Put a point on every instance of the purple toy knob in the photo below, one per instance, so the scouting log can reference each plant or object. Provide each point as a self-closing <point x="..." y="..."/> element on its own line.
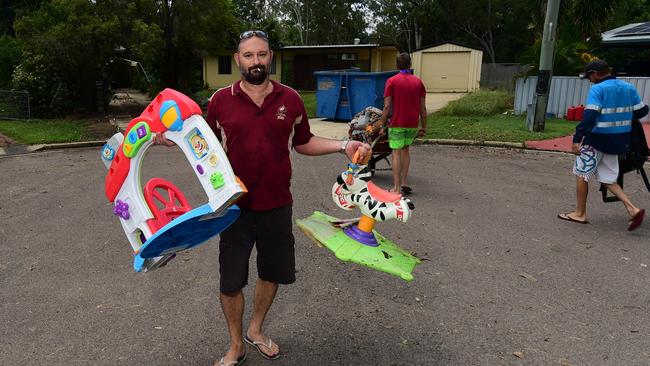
<point x="121" y="209"/>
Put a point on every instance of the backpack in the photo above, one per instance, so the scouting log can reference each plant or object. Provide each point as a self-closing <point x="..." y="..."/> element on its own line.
<point x="633" y="159"/>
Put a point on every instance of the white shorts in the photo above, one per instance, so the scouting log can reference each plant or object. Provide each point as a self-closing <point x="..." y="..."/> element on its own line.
<point x="592" y="163"/>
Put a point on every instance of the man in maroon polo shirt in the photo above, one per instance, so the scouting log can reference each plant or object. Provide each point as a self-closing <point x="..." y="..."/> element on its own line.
<point x="258" y="122"/>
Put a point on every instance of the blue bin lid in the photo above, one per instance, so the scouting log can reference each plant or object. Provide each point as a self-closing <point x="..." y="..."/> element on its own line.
<point x="354" y="72"/>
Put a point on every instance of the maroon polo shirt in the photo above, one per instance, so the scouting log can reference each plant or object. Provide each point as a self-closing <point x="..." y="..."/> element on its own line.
<point x="258" y="140"/>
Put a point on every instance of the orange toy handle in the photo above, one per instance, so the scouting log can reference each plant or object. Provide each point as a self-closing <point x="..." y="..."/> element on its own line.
<point x="357" y="160"/>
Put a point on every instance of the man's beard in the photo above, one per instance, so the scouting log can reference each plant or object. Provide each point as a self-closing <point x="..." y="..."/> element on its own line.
<point x="255" y="74"/>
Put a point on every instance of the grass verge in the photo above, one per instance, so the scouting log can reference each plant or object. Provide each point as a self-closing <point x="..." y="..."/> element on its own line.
<point x="38" y="131"/>
<point x="480" y="103"/>
<point x="493" y="128"/>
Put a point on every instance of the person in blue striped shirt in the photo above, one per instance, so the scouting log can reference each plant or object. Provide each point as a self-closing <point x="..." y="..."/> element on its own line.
<point x="602" y="135"/>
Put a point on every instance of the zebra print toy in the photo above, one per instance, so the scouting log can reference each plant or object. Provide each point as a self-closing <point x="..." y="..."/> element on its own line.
<point x="353" y="188"/>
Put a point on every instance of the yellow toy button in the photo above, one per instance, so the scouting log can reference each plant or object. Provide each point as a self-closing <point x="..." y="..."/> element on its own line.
<point x="213" y="159"/>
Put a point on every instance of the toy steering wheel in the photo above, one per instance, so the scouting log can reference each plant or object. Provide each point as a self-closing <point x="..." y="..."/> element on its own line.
<point x="174" y="204"/>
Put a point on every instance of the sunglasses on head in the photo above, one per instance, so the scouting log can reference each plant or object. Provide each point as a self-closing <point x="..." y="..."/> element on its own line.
<point x="251" y="33"/>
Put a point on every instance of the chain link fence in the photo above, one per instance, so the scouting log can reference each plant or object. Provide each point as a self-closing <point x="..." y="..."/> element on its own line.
<point x="14" y="104"/>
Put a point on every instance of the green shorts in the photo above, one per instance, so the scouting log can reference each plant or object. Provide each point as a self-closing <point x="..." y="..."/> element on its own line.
<point x="401" y="137"/>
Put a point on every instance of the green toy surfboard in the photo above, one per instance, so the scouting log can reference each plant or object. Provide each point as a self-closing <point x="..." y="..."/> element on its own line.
<point x="387" y="257"/>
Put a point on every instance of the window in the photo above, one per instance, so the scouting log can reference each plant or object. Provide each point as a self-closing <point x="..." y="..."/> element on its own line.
<point x="225" y="65"/>
<point x="342" y="56"/>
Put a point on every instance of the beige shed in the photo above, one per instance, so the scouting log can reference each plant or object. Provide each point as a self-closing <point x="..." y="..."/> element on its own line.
<point x="448" y="68"/>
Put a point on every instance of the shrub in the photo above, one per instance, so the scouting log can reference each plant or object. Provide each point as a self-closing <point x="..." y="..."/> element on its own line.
<point x="480" y="103"/>
<point x="48" y="93"/>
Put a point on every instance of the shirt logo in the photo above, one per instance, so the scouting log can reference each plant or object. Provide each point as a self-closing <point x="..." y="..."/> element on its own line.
<point x="281" y="113"/>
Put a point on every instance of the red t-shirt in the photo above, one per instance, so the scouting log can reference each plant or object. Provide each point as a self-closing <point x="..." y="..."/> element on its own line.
<point x="258" y="140"/>
<point x="405" y="91"/>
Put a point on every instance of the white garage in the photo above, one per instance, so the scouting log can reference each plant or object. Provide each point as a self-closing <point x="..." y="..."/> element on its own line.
<point x="448" y="68"/>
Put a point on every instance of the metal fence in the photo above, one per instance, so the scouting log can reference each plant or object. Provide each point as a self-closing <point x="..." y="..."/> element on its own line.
<point x="14" y="104"/>
<point x="568" y="91"/>
<point x="500" y="75"/>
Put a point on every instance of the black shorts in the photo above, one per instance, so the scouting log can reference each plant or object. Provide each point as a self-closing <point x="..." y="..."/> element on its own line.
<point x="271" y="233"/>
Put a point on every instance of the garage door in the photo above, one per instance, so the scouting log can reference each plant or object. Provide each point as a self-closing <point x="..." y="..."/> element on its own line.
<point x="445" y="71"/>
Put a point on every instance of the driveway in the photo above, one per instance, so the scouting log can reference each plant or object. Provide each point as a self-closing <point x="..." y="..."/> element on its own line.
<point x="503" y="281"/>
<point x="437" y="101"/>
<point x="339" y="130"/>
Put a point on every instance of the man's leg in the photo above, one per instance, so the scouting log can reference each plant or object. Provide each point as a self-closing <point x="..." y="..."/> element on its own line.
<point x="397" y="170"/>
<point x="232" y="305"/>
<point x="396" y="143"/>
<point x="582" y="190"/>
<point x="264" y="295"/>
<point x="618" y="192"/>
<point x="235" y="246"/>
<point x="276" y="264"/>
<point x="406" y="162"/>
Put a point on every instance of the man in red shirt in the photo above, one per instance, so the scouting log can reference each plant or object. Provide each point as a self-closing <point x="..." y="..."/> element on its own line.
<point x="405" y="93"/>
<point x="258" y="122"/>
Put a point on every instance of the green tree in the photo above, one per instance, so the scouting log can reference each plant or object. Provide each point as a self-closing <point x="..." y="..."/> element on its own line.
<point x="75" y="38"/>
<point x="311" y="22"/>
<point x="409" y="24"/>
<point x="191" y="29"/>
<point x="83" y="38"/>
<point x="10" y="51"/>
<point x="580" y="24"/>
<point x="10" y="47"/>
<point x="12" y="9"/>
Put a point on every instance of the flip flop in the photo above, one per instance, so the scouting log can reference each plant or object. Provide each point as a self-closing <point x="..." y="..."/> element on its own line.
<point x="257" y="345"/>
<point x="406" y="189"/>
<point x="566" y="217"/>
<point x="636" y="220"/>
<point x="237" y="362"/>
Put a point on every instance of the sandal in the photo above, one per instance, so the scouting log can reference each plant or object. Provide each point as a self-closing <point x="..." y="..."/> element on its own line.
<point x="258" y="344"/>
<point x="636" y="220"/>
<point x="407" y="189"/>
<point x="566" y="217"/>
<point x="237" y="362"/>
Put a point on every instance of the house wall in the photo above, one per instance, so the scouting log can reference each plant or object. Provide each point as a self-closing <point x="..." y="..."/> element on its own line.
<point x="311" y="59"/>
<point x="214" y="80"/>
<point x="387" y="60"/>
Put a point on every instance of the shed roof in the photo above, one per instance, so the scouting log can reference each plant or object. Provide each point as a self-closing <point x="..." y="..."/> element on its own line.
<point x="367" y="45"/>
<point x="440" y="44"/>
<point x="628" y="35"/>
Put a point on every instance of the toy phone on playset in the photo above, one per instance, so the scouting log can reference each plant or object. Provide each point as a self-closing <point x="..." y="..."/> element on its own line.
<point x="156" y="218"/>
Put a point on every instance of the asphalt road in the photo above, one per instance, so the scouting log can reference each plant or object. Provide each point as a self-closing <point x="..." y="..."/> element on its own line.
<point x="501" y="274"/>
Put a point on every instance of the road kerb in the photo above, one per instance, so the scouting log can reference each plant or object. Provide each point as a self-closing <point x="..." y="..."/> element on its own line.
<point x="512" y="145"/>
<point x="65" y="145"/>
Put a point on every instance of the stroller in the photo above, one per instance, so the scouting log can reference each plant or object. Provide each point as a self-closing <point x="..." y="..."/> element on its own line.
<point x="363" y="127"/>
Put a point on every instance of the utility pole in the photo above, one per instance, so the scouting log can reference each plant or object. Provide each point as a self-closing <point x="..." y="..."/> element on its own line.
<point x="540" y="102"/>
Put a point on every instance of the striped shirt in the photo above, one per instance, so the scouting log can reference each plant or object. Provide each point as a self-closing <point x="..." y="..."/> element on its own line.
<point x="607" y="120"/>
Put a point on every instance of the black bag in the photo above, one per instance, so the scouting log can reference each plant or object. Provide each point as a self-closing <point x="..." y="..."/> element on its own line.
<point x="634" y="159"/>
